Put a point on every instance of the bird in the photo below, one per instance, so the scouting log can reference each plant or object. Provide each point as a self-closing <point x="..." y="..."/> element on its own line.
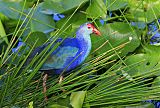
<point x="70" y="53"/>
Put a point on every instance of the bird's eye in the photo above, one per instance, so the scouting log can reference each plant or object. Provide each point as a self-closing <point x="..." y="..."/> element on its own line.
<point x="90" y="26"/>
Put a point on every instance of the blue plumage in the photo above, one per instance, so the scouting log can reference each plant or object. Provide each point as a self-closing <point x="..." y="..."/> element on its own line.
<point x="71" y="52"/>
<point x="63" y="57"/>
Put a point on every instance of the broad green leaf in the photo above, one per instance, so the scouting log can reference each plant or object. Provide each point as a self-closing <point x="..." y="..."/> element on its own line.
<point x="3" y="47"/>
<point x="3" y="33"/>
<point x="116" y="34"/>
<point x="41" y="22"/>
<point x="140" y="64"/>
<point x="146" y="11"/>
<point x="30" y="104"/>
<point x="144" y="63"/>
<point x="113" y="5"/>
<point x="36" y="37"/>
<point x="7" y="8"/>
<point x="144" y="105"/>
<point x="54" y="5"/>
<point x="3" y="17"/>
<point x="56" y="106"/>
<point x="96" y="9"/>
<point x="156" y="82"/>
<point x="17" y="59"/>
<point x="61" y="6"/>
<point x="10" y="26"/>
<point x="71" y="23"/>
<point x="28" y="3"/>
<point x="139" y="25"/>
<point x="62" y="102"/>
<point x="154" y="54"/>
<point x="77" y="99"/>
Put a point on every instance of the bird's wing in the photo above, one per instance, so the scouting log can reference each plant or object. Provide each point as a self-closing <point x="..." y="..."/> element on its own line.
<point x="39" y="49"/>
<point x="63" y="55"/>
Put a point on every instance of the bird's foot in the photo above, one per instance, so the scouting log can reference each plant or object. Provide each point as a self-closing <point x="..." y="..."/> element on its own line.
<point x="60" y="81"/>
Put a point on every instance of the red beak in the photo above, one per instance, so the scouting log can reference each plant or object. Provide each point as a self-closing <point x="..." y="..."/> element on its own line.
<point x="96" y="31"/>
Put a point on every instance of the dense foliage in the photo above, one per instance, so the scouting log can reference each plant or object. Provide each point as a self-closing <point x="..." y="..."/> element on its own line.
<point x="121" y="71"/>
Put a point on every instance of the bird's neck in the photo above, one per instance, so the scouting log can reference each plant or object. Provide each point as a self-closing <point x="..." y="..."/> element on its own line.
<point x="85" y="41"/>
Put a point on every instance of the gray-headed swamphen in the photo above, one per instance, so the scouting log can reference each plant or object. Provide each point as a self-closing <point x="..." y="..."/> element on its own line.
<point x="69" y="54"/>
